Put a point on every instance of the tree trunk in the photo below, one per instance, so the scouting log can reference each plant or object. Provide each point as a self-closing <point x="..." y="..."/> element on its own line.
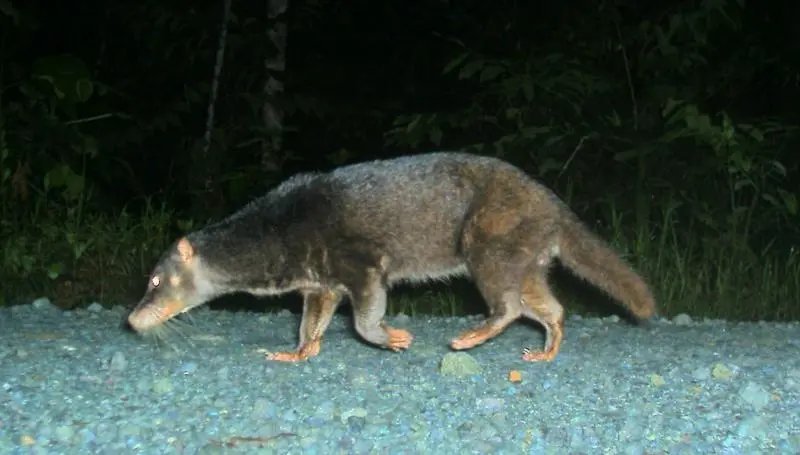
<point x="275" y="65"/>
<point x="208" y="164"/>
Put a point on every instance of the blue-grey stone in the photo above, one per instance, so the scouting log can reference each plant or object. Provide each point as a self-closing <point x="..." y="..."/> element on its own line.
<point x="459" y="364"/>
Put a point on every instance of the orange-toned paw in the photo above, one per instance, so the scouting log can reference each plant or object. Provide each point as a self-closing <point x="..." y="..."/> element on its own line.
<point x="539" y="356"/>
<point x="285" y="356"/>
<point x="474" y="337"/>
<point x="306" y="351"/>
<point x="399" y="339"/>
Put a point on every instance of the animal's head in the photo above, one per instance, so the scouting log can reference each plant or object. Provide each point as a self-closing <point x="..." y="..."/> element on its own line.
<point x="177" y="284"/>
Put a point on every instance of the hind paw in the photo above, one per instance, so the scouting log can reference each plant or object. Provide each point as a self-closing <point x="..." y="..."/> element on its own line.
<point x="285" y="356"/>
<point x="474" y="337"/>
<point x="529" y="355"/>
<point x="399" y="339"/>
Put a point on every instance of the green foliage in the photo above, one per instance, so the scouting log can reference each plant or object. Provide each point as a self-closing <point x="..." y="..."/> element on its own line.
<point x="43" y="160"/>
<point x="104" y="258"/>
<point x="671" y="127"/>
<point x="708" y="193"/>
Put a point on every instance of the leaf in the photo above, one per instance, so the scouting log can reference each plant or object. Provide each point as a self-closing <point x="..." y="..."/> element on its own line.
<point x="452" y="64"/>
<point x="743" y="183"/>
<point x="553" y="139"/>
<point x="527" y="89"/>
<point x="778" y="167"/>
<point x="491" y="72"/>
<point x="80" y="248"/>
<point x="755" y="133"/>
<point x="671" y="107"/>
<point x="55" y="270"/>
<point x="185" y="225"/>
<point x="532" y="132"/>
<point x="675" y="133"/>
<point x="67" y="75"/>
<point x="789" y="201"/>
<point x="435" y="135"/>
<point x="63" y="177"/>
<point x="626" y="155"/>
<point x="614" y="119"/>
<point x="83" y="89"/>
<point x="701" y="123"/>
<point x="512" y="113"/>
<point x="412" y="125"/>
<point x="88" y="147"/>
<point x="548" y="165"/>
<point x="471" y="68"/>
<point x="7" y="9"/>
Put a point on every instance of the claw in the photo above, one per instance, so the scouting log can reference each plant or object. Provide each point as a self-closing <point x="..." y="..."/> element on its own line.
<point x="399" y="339"/>
<point x="529" y="355"/>
<point x="474" y="337"/>
<point x="285" y="357"/>
<point x="305" y="352"/>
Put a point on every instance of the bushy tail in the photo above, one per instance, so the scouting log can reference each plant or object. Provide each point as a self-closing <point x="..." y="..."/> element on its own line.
<point x="592" y="259"/>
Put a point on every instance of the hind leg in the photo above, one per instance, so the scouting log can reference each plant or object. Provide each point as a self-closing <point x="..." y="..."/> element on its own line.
<point x="539" y="304"/>
<point x="497" y="282"/>
<point x="318" y="309"/>
<point x="369" y="307"/>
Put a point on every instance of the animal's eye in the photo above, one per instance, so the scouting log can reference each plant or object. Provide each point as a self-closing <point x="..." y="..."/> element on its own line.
<point x="155" y="281"/>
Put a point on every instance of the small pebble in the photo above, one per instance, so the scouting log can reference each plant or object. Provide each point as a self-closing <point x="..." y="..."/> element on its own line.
<point x="118" y="362"/>
<point x="721" y="371"/>
<point x="682" y="319"/>
<point x="490" y="404"/>
<point x="657" y="380"/>
<point x="753" y="427"/>
<point x="793" y="379"/>
<point x="27" y="440"/>
<point x="223" y="374"/>
<point x="325" y="411"/>
<point x="755" y="395"/>
<point x="701" y="374"/>
<point x="188" y="368"/>
<point x="355" y="412"/>
<point x="459" y="364"/>
<point x="162" y="386"/>
<point x="356" y="423"/>
<point x="94" y="307"/>
<point x="64" y="433"/>
<point x="43" y="303"/>
<point x="401" y="319"/>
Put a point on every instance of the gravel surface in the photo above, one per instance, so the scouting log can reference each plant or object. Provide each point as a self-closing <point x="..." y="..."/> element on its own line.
<point x="74" y="382"/>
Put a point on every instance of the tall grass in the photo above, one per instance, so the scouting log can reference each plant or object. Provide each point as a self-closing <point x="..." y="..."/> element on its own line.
<point x="73" y="262"/>
<point x="107" y="259"/>
<point x="717" y="278"/>
<point x="711" y="277"/>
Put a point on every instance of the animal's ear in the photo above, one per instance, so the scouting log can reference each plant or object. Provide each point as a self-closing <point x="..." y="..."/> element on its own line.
<point x="185" y="249"/>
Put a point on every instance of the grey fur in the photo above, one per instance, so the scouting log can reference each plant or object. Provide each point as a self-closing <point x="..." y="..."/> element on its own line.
<point x="360" y="229"/>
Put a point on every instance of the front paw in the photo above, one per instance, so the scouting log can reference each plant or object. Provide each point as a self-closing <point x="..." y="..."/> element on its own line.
<point x="305" y="352"/>
<point x="399" y="339"/>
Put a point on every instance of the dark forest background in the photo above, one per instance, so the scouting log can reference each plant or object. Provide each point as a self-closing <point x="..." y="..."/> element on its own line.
<point x="670" y="127"/>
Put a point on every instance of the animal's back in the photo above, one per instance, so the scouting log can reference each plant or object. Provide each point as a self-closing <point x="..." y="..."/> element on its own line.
<point x="407" y="212"/>
<point x="414" y="208"/>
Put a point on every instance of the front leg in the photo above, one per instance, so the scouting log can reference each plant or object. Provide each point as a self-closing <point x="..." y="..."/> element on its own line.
<point x="318" y="309"/>
<point x="369" y="308"/>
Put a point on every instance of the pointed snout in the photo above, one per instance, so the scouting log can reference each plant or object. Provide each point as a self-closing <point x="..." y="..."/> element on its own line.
<point x="148" y="315"/>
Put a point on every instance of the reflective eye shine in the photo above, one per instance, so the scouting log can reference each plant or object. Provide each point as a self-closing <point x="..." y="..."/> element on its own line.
<point x="155" y="281"/>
